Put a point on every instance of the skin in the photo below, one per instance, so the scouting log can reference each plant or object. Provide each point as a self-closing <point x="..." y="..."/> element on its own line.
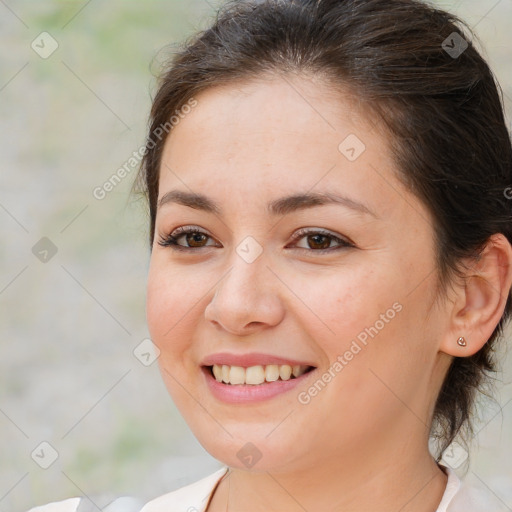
<point x="362" y="442"/>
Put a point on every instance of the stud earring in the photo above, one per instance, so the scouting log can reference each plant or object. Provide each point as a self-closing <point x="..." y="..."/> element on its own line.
<point x="461" y="341"/>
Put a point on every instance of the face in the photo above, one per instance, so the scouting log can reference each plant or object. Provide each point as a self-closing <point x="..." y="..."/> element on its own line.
<point x="345" y="287"/>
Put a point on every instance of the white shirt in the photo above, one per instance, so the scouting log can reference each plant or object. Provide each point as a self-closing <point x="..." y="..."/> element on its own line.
<point x="194" y="497"/>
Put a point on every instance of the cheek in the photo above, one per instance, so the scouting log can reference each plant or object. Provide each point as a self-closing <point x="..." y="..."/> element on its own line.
<point x="169" y="303"/>
<point x="159" y="306"/>
<point x="170" y="323"/>
<point x="383" y="353"/>
<point x="344" y="303"/>
<point x="362" y="319"/>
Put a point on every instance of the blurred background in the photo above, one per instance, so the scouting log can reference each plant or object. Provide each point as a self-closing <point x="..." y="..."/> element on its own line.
<point x="82" y="412"/>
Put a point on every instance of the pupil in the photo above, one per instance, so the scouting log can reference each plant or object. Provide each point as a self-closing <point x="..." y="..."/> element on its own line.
<point x="321" y="236"/>
<point x="193" y="237"/>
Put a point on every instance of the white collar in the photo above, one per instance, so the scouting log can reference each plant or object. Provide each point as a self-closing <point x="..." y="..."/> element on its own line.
<point x="452" y="488"/>
<point x="193" y="497"/>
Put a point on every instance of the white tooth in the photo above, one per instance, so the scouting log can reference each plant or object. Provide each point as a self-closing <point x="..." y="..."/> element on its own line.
<point x="237" y="375"/>
<point x="298" y="370"/>
<point x="271" y="372"/>
<point x="255" y="375"/>
<point x="225" y="373"/>
<point x="217" y="372"/>
<point x="285" y="371"/>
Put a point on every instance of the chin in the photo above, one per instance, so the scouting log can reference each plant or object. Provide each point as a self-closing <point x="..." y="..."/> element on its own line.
<point x="247" y="449"/>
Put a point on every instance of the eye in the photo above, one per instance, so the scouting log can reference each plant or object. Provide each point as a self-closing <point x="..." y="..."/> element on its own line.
<point x="319" y="240"/>
<point x="193" y="235"/>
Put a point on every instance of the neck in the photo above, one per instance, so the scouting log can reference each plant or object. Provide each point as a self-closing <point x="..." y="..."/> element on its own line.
<point x="409" y="481"/>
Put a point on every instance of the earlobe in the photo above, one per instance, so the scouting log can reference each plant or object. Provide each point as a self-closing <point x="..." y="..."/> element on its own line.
<point x="481" y="300"/>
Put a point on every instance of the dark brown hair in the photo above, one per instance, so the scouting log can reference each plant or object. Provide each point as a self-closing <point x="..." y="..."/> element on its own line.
<point x="408" y="62"/>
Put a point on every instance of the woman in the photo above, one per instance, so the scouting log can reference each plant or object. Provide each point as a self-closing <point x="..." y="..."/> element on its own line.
<point x="331" y="253"/>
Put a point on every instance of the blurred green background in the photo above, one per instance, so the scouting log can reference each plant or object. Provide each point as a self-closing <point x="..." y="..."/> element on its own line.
<point x="69" y="325"/>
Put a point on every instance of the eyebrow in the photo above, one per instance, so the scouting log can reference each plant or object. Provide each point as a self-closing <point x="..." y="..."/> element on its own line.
<point x="281" y="206"/>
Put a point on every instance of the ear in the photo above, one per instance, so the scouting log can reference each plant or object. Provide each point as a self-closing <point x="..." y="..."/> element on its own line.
<point x="480" y="301"/>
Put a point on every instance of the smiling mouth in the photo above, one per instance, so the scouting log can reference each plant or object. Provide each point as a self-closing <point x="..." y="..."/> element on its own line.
<point x="256" y="375"/>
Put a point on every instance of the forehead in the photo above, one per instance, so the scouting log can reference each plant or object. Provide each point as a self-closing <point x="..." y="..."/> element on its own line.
<point x="271" y="137"/>
<point x="284" y="117"/>
<point x="274" y="109"/>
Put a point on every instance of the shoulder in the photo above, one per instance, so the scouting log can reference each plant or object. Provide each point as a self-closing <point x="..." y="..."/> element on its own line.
<point x="69" y="505"/>
<point x="79" y="504"/>
<point x="191" y="498"/>
<point x="461" y="496"/>
<point x="471" y="498"/>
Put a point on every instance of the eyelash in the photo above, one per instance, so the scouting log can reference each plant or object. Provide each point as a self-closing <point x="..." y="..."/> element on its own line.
<point x="171" y="240"/>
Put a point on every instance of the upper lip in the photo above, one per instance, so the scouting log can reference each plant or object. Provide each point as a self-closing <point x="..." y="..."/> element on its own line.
<point x="250" y="359"/>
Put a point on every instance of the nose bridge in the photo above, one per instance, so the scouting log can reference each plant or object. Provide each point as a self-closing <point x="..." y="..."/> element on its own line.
<point x="246" y="294"/>
<point x="248" y="273"/>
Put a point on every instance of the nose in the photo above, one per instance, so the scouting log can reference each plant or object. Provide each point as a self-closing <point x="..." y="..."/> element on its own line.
<point x="247" y="298"/>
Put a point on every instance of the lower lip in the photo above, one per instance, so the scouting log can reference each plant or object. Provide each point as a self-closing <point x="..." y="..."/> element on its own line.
<point x="248" y="393"/>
